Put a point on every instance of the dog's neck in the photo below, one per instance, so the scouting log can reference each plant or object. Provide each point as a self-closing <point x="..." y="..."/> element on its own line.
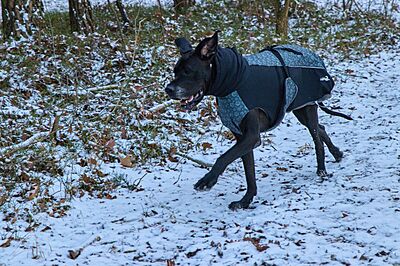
<point x="228" y="72"/>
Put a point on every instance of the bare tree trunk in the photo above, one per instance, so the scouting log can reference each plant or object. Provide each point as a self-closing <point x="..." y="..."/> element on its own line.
<point x="181" y="6"/>
<point x="81" y="16"/>
<point x="21" y="17"/>
<point x="122" y="11"/>
<point x="282" y="17"/>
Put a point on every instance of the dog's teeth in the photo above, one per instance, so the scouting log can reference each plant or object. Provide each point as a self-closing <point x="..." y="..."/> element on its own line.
<point x="191" y="98"/>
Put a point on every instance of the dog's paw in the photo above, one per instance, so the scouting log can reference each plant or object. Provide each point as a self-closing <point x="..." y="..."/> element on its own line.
<point x="206" y="183"/>
<point x="338" y="156"/>
<point x="241" y="204"/>
<point x="323" y="174"/>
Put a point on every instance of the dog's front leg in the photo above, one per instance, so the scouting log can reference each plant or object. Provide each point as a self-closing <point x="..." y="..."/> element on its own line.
<point x="250" y="126"/>
<point x="249" y="169"/>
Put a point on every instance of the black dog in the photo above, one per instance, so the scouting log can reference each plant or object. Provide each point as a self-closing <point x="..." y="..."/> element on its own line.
<point x="253" y="94"/>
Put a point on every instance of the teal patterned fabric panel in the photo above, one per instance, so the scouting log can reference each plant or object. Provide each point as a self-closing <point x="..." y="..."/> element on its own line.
<point x="291" y="90"/>
<point x="306" y="59"/>
<point x="231" y="110"/>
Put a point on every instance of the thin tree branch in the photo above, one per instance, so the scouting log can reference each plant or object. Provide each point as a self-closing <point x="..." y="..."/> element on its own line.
<point x="38" y="137"/>
<point x="199" y="162"/>
<point x="32" y="140"/>
<point x="161" y="106"/>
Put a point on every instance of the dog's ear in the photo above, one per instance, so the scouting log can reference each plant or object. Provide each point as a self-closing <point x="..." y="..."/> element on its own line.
<point x="183" y="45"/>
<point x="207" y="48"/>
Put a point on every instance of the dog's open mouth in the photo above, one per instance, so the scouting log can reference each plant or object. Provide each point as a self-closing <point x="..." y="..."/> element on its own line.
<point x="189" y="103"/>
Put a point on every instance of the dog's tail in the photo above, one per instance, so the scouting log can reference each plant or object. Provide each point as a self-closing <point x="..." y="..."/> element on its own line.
<point x="329" y="111"/>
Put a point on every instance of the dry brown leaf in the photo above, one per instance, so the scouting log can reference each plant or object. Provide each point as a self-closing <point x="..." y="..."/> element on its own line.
<point x="6" y="243"/>
<point x="73" y="254"/>
<point x="24" y="137"/>
<point x="45" y="228"/>
<point x="110" y="144"/>
<point x="33" y="193"/>
<point x="87" y="179"/>
<point x="283" y="169"/>
<point x="126" y="161"/>
<point x="173" y="159"/>
<point x="3" y="198"/>
<point x="170" y="263"/>
<point x="256" y="243"/>
<point x="92" y="161"/>
<point x="99" y="173"/>
<point x="124" y="134"/>
<point x="192" y="253"/>
<point x="24" y="176"/>
<point x="206" y="146"/>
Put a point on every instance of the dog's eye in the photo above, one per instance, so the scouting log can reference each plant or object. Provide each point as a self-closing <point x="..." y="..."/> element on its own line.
<point x="186" y="71"/>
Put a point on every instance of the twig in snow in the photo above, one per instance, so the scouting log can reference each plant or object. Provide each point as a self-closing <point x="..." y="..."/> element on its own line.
<point x="32" y="140"/>
<point x="137" y="182"/>
<point x="102" y="88"/>
<point x="54" y="128"/>
<point x="199" y="162"/>
<point x="179" y="177"/>
<point x="161" y="106"/>
<point x="38" y="137"/>
<point x="73" y="254"/>
<point x="90" y="90"/>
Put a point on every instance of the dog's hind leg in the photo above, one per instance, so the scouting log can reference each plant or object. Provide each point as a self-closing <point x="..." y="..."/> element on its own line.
<point x="308" y="116"/>
<point x="332" y="148"/>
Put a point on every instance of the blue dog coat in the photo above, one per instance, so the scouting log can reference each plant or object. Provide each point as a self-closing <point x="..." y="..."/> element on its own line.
<point x="242" y="83"/>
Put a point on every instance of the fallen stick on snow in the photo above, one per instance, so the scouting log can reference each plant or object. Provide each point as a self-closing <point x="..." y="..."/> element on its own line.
<point x="199" y="162"/>
<point x="74" y="253"/>
<point x="82" y="92"/>
<point x="161" y="106"/>
<point x="103" y="88"/>
<point x="16" y="147"/>
<point x="38" y="137"/>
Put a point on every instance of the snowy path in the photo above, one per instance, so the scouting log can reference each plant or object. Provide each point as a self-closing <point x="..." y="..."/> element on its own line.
<point x="353" y="218"/>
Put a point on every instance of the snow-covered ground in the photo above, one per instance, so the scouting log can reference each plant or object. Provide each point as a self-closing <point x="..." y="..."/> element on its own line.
<point x="353" y="218"/>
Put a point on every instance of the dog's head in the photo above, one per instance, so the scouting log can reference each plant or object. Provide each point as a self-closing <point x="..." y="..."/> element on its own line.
<point x="192" y="71"/>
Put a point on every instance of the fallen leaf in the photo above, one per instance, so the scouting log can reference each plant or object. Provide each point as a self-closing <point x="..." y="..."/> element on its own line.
<point x="6" y="243"/>
<point x="126" y="161"/>
<point x="170" y="263"/>
<point x="382" y="253"/>
<point x="192" y="253"/>
<point x="256" y="243"/>
<point x="92" y="161"/>
<point x="206" y="146"/>
<point x="124" y="134"/>
<point x="173" y="159"/>
<point x="33" y="193"/>
<point x="45" y="228"/>
<point x="24" y="176"/>
<point x="110" y="144"/>
<point x="73" y="254"/>
<point x="87" y="179"/>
